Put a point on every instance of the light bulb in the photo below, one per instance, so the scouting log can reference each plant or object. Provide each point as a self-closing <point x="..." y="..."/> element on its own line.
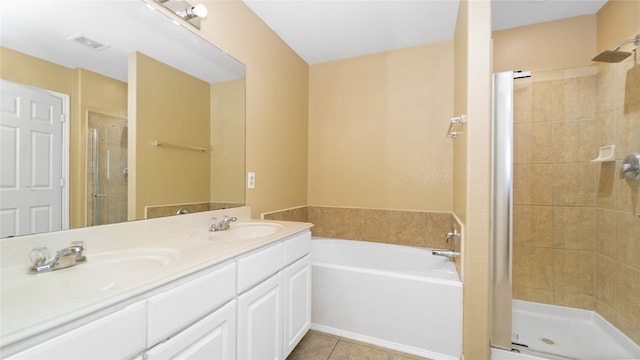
<point x="198" y="11"/>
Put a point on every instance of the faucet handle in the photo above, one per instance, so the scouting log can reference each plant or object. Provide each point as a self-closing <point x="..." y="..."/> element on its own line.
<point x="452" y="235"/>
<point x="213" y="224"/>
<point x="39" y="256"/>
<point x="78" y="248"/>
<point x="79" y="243"/>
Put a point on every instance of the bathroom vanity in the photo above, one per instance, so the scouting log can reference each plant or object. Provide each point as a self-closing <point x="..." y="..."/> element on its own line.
<point x="161" y="288"/>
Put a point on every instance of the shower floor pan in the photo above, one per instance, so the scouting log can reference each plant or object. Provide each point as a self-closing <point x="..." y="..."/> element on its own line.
<point x="560" y="333"/>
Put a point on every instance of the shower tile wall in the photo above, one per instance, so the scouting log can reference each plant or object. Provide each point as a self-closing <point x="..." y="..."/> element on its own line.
<point x="576" y="225"/>
<point x="156" y="211"/>
<point x="413" y="228"/>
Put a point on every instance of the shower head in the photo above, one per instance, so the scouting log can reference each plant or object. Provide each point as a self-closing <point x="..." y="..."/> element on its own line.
<point x="611" y="56"/>
<point x="615" y="55"/>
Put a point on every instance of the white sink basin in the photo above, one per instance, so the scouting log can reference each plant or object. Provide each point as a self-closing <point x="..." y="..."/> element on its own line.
<point x="102" y="272"/>
<point x="242" y="231"/>
<point x="252" y="230"/>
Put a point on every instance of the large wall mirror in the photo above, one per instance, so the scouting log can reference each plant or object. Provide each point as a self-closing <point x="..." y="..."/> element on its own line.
<point x="113" y="111"/>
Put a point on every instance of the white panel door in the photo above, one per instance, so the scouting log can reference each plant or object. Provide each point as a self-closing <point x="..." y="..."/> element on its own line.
<point x="260" y="321"/>
<point x="31" y="175"/>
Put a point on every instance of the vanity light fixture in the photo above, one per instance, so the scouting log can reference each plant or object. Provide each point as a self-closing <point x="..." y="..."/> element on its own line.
<point x="192" y="14"/>
<point x="195" y="11"/>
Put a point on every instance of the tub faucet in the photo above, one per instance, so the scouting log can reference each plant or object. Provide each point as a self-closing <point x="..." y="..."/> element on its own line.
<point x="447" y="253"/>
<point x="451" y="253"/>
<point x="221" y="225"/>
<point x="67" y="257"/>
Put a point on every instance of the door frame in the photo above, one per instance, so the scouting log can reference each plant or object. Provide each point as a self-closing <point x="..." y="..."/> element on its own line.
<point x="66" y="139"/>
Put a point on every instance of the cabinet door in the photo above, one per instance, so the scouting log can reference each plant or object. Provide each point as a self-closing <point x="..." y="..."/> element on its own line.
<point x="260" y="321"/>
<point x="213" y="337"/>
<point x="120" y="335"/>
<point x="297" y="302"/>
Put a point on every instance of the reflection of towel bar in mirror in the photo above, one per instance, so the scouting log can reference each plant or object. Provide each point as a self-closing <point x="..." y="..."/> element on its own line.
<point x="456" y="122"/>
<point x="159" y="143"/>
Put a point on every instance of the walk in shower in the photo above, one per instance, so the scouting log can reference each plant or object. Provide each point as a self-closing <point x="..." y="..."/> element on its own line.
<point x="107" y="170"/>
<point x="567" y="283"/>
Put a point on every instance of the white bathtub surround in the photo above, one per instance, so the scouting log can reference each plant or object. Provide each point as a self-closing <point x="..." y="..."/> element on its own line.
<point x="398" y="297"/>
<point x="561" y="333"/>
<point x="37" y="307"/>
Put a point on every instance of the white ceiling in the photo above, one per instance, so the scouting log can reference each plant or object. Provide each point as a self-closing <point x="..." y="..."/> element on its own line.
<point x="325" y="30"/>
<point x="318" y="30"/>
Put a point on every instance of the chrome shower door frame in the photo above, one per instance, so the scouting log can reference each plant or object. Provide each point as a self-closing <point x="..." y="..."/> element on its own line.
<point x="501" y="210"/>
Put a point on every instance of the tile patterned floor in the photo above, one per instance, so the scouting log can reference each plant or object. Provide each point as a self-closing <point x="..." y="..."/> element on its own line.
<point x="321" y="346"/>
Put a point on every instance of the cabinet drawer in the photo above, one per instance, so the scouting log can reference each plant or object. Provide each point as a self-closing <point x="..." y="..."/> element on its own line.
<point x="213" y="337"/>
<point x="297" y="247"/>
<point x="120" y="335"/>
<point x="259" y="265"/>
<point x="176" y="308"/>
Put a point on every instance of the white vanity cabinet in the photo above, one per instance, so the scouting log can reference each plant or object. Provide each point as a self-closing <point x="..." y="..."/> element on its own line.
<point x="119" y="335"/>
<point x="271" y="321"/>
<point x="252" y="306"/>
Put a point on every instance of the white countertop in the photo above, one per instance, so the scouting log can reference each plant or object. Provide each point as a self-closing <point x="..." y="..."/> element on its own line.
<point x="32" y="304"/>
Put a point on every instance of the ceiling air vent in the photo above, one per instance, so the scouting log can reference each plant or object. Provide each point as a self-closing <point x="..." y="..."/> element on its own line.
<point x="85" y="41"/>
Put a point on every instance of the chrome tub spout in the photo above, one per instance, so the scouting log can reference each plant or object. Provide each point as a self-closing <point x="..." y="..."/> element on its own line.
<point x="447" y="253"/>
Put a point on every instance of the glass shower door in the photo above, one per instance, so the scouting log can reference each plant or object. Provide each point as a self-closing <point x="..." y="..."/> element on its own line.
<point x="107" y="169"/>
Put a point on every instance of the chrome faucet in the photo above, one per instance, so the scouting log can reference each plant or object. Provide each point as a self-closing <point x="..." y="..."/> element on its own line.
<point x="221" y="225"/>
<point x="451" y="253"/>
<point x="67" y="257"/>
<point x="448" y="253"/>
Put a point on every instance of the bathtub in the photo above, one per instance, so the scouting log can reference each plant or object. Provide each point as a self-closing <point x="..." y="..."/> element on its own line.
<point x="398" y="297"/>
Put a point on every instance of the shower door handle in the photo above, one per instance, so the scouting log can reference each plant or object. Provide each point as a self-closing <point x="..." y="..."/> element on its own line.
<point x="99" y="195"/>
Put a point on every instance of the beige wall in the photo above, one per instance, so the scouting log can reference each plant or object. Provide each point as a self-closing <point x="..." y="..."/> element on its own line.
<point x="473" y="98"/>
<point x="277" y="95"/>
<point x="377" y="127"/>
<point x="166" y="175"/>
<point x="547" y="46"/>
<point x="228" y="141"/>
<point x="618" y="20"/>
<point x="21" y="68"/>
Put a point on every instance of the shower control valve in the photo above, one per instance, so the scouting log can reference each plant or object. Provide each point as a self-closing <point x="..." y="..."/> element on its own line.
<point x="631" y="167"/>
<point x="452" y="235"/>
